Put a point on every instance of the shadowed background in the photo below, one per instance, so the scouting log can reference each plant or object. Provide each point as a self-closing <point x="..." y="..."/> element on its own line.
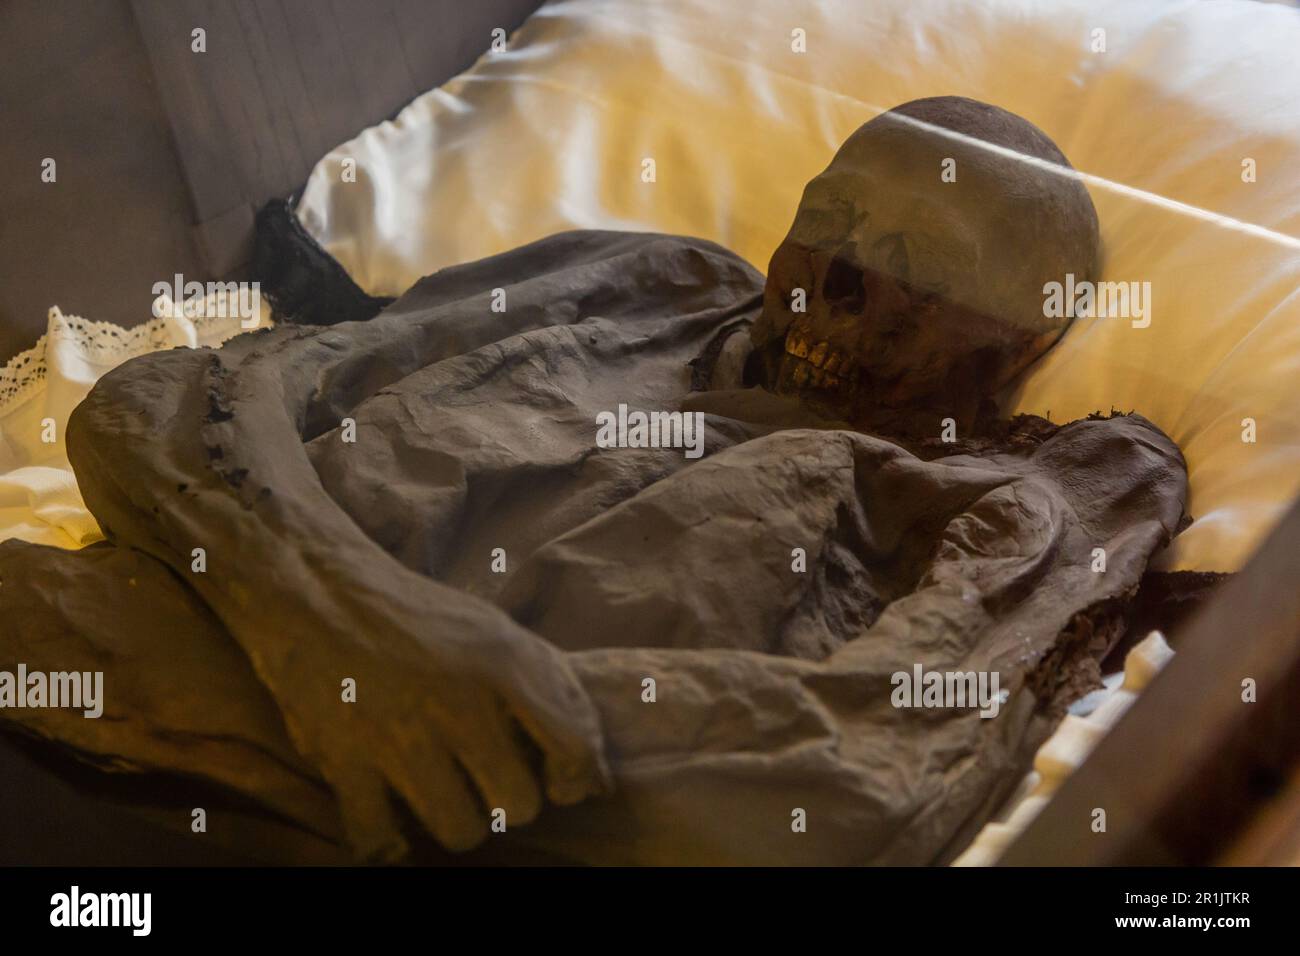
<point x="164" y="155"/>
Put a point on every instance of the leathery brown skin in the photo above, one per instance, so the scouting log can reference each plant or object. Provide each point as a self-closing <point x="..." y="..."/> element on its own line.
<point x="450" y="682"/>
<point x="953" y="363"/>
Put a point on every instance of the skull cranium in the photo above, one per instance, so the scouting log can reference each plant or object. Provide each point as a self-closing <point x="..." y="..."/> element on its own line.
<point x="924" y="290"/>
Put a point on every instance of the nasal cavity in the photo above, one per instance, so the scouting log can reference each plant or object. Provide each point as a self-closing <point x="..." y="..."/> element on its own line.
<point x="842" y="286"/>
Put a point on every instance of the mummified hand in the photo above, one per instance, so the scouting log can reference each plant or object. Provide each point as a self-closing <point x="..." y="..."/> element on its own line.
<point x="453" y="700"/>
<point x="444" y="704"/>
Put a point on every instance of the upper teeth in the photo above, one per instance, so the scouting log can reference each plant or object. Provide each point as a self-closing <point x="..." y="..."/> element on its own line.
<point x="819" y="363"/>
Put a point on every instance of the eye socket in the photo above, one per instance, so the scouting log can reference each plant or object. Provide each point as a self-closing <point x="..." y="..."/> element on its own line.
<point x="843" y="283"/>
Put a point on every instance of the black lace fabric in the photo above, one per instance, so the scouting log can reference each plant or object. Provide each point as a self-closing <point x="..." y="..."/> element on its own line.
<point x="304" y="284"/>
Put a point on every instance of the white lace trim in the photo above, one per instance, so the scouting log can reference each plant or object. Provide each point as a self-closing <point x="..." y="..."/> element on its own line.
<point x="104" y="343"/>
<point x="22" y="375"/>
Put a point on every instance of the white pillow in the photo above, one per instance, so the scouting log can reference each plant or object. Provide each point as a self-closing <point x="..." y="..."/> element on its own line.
<point x="552" y="133"/>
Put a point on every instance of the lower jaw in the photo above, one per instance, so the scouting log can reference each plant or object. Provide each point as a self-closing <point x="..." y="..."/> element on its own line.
<point x="862" y="403"/>
<point x="838" y="396"/>
<point x="799" y="376"/>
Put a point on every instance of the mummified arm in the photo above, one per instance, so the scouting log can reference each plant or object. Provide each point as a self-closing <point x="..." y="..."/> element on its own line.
<point x="984" y="566"/>
<point x="176" y="694"/>
<point x="200" y="450"/>
<point x="178" y="451"/>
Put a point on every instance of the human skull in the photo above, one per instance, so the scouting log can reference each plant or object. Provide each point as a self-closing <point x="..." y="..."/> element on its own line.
<point x="921" y="292"/>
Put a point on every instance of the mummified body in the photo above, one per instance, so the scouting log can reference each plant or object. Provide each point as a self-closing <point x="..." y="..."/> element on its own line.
<point x="679" y="652"/>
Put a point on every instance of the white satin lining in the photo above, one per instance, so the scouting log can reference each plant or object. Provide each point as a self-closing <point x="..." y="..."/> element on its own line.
<point x="554" y="132"/>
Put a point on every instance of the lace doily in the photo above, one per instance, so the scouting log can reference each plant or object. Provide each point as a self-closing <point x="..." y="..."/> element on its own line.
<point x="107" y="344"/>
<point x="23" y="374"/>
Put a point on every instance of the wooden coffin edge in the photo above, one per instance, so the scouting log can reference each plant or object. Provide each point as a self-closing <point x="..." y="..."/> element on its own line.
<point x="1187" y="770"/>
